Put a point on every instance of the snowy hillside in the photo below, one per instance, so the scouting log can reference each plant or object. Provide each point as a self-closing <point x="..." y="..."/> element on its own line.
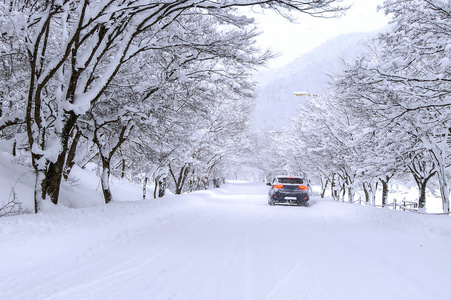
<point x="276" y="103"/>
<point x="83" y="188"/>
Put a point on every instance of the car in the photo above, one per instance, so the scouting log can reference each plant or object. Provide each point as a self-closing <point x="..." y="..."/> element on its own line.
<point x="288" y="190"/>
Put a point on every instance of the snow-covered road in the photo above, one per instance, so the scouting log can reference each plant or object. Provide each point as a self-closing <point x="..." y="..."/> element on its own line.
<point x="225" y="244"/>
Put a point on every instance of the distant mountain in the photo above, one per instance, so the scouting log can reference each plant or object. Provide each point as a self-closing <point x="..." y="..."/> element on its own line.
<point x="276" y="104"/>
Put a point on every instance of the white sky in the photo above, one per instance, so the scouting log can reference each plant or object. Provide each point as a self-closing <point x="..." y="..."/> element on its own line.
<point x="293" y="40"/>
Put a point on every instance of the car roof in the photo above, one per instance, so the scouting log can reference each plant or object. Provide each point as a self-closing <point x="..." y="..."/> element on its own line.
<point x="289" y="176"/>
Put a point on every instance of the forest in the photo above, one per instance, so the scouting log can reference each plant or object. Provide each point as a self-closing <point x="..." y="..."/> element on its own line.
<point x="165" y="89"/>
<point x="386" y="115"/>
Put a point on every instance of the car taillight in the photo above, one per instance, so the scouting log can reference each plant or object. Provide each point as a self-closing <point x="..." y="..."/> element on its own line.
<point x="277" y="186"/>
<point x="303" y="187"/>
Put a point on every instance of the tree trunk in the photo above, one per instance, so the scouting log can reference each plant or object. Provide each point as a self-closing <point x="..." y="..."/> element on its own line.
<point x="39" y="189"/>
<point x="123" y="169"/>
<point x="324" y="187"/>
<point x="373" y="192"/>
<point x="366" y="191"/>
<point x="180" y="181"/>
<point x="384" y="182"/>
<point x="184" y="171"/>
<point x="422" y="185"/>
<point x="422" y="168"/>
<point x="161" y="187"/>
<point x="54" y="176"/>
<point x="444" y="191"/>
<point x="155" y="189"/>
<point x="70" y="161"/>
<point x="106" y="180"/>
<point x="40" y="164"/>
<point x="14" y="148"/>
<point x="422" y="196"/>
<point x="217" y="182"/>
<point x="350" y="189"/>
<point x="145" y="187"/>
<point x="350" y="194"/>
<point x="384" y="191"/>
<point x="342" y="191"/>
<point x="55" y="170"/>
<point x="106" y="160"/>
<point x="441" y="173"/>
<point x="334" y="188"/>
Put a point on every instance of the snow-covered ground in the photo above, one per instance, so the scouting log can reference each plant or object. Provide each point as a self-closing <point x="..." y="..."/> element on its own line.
<point x="224" y="244"/>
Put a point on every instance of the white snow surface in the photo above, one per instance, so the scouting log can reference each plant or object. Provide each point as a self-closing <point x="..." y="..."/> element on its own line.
<point x="225" y="243"/>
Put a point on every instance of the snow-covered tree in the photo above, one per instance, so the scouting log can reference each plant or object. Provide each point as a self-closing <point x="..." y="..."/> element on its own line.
<point x="402" y="86"/>
<point x="323" y="137"/>
<point x="76" y="48"/>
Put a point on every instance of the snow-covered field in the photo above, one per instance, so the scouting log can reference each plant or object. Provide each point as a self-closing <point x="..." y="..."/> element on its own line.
<point x="224" y="244"/>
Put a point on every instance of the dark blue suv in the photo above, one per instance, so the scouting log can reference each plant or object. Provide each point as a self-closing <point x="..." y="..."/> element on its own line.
<point x="288" y="190"/>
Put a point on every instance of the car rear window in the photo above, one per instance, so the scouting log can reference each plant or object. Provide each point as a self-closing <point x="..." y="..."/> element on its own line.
<point x="290" y="180"/>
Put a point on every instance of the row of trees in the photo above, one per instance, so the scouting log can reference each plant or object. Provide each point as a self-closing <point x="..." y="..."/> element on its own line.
<point x="389" y="112"/>
<point x="160" y="86"/>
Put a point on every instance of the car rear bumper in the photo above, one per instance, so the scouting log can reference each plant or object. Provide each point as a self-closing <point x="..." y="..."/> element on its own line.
<point x="279" y="197"/>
